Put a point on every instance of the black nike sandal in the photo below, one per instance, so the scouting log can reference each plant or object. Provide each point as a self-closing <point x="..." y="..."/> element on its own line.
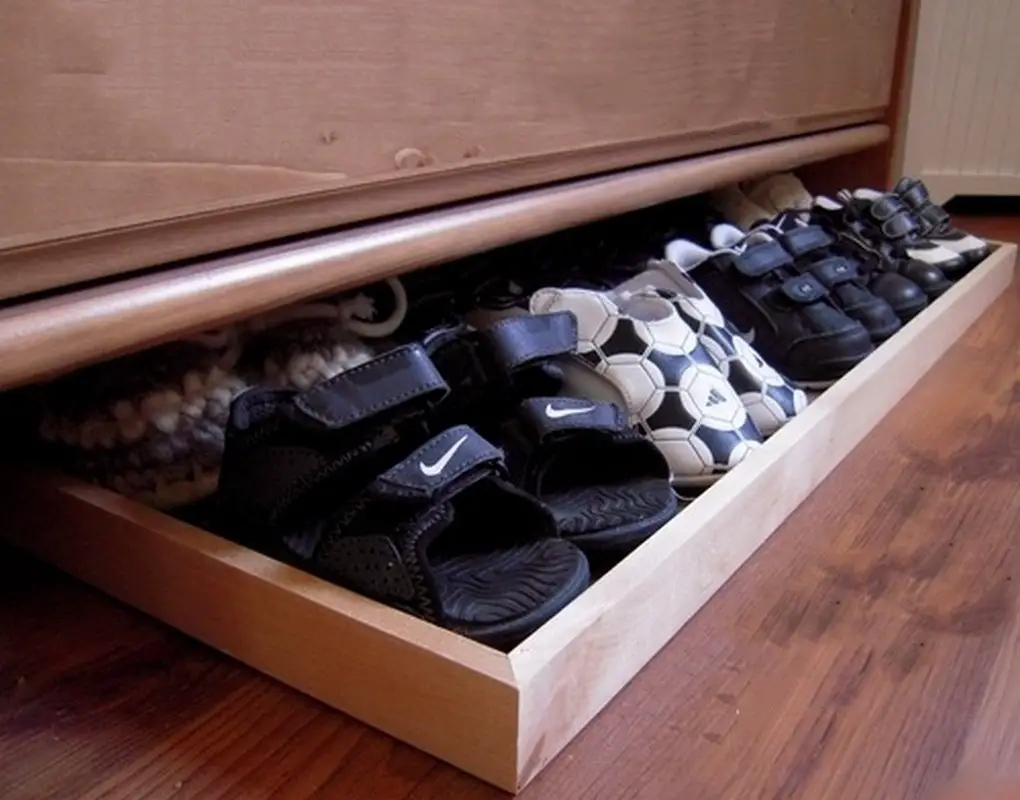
<point x="462" y="546"/>
<point x="607" y="487"/>
<point x="346" y="481"/>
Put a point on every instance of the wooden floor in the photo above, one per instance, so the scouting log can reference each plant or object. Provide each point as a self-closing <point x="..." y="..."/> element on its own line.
<point x="871" y="649"/>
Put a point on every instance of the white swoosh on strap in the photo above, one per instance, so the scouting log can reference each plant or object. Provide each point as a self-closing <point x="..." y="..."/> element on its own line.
<point x="558" y="413"/>
<point x="431" y="470"/>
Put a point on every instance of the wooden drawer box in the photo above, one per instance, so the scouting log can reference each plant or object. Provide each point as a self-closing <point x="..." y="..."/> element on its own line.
<point x="126" y="120"/>
<point x="499" y="716"/>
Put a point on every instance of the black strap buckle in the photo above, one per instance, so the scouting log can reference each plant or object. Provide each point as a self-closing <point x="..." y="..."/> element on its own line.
<point x="398" y="378"/>
<point x="761" y="259"/>
<point x="518" y="342"/>
<point x="801" y="241"/>
<point x="831" y="272"/>
<point x="803" y="289"/>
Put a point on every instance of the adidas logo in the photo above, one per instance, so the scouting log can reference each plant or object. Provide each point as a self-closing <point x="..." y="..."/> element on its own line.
<point x="715" y="397"/>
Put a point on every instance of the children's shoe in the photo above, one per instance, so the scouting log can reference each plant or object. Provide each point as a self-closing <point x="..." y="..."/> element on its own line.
<point x="937" y="226"/>
<point x="607" y="487"/>
<point x="769" y="398"/>
<point x="636" y="351"/>
<point x="347" y="481"/>
<point x="788" y="316"/>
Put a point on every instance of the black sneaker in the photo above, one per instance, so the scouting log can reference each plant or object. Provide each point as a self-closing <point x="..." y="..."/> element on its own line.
<point x="894" y="254"/>
<point x="348" y="481"/>
<point x="936" y="225"/>
<point x="814" y="252"/>
<point x="883" y="276"/>
<point x="789" y="317"/>
<point x="892" y="227"/>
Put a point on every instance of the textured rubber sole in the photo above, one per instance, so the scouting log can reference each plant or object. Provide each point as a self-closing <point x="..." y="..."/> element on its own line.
<point x="620" y="517"/>
<point x="499" y="598"/>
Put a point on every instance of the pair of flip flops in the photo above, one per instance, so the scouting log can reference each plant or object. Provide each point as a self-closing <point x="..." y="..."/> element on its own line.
<point x="376" y="480"/>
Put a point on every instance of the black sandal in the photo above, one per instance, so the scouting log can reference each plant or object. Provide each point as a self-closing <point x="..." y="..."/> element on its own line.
<point x="607" y="487"/>
<point x="346" y="481"/>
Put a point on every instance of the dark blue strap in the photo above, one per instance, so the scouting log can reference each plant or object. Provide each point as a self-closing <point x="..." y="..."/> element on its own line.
<point x="803" y="289"/>
<point x="914" y="192"/>
<point x="437" y="465"/>
<point x="520" y="341"/>
<point x="395" y="379"/>
<point x="801" y="241"/>
<point x="833" y="271"/>
<point x="550" y="416"/>
<point x="761" y="259"/>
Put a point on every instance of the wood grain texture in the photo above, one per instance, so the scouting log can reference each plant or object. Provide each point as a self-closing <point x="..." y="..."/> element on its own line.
<point x="569" y="669"/>
<point x="868" y="650"/>
<point x="45" y="337"/>
<point x="502" y="718"/>
<point x="106" y="123"/>
<point x="68" y="255"/>
<point x="333" y="644"/>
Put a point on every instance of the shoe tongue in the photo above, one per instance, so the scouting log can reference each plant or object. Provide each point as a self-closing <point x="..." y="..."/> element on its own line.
<point x="828" y="204"/>
<point x="725" y="236"/>
<point x="868" y="194"/>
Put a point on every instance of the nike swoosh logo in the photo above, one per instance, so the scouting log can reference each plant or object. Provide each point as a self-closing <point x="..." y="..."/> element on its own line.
<point x="431" y="470"/>
<point x="748" y="336"/>
<point x="559" y="413"/>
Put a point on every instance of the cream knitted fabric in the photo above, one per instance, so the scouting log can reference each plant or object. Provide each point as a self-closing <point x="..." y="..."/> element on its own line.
<point x="151" y="425"/>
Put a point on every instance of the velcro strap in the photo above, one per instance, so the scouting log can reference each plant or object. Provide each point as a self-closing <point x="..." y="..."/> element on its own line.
<point x="936" y="215"/>
<point x="885" y="207"/>
<point x="899" y="226"/>
<point x="803" y="289"/>
<point x="916" y="194"/>
<point x="437" y="465"/>
<point x="551" y="416"/>
<point x="800" y="241"/>
<point x="833" y="271"/>
<point x="520" y="341"/>
<point x="398" y="378"/>
<point x="761" y="259"/>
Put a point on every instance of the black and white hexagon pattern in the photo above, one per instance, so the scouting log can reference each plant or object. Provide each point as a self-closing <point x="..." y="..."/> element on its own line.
<point x="768" y="397"/>
<point x="673" y="389"/>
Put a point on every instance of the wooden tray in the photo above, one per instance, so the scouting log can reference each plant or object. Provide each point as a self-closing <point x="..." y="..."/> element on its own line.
<point x="499" y="716"/>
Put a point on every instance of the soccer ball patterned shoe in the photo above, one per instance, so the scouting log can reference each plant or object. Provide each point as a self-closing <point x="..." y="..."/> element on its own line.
<point x="789" y="317"/>
<point x="636" y="350"/>
<point x="769" y="398"/>
<point x="936" y="225"/>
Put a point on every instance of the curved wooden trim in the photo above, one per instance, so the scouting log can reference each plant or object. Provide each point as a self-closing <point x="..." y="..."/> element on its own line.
<point x="75" y="256"/>
<point x="45" y="337"/>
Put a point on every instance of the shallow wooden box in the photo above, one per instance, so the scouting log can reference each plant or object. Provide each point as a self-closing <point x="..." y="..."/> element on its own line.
<point x="499" y="716"/>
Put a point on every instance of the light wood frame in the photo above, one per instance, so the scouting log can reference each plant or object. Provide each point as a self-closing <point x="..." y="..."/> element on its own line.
<point x="501" y="717"/>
